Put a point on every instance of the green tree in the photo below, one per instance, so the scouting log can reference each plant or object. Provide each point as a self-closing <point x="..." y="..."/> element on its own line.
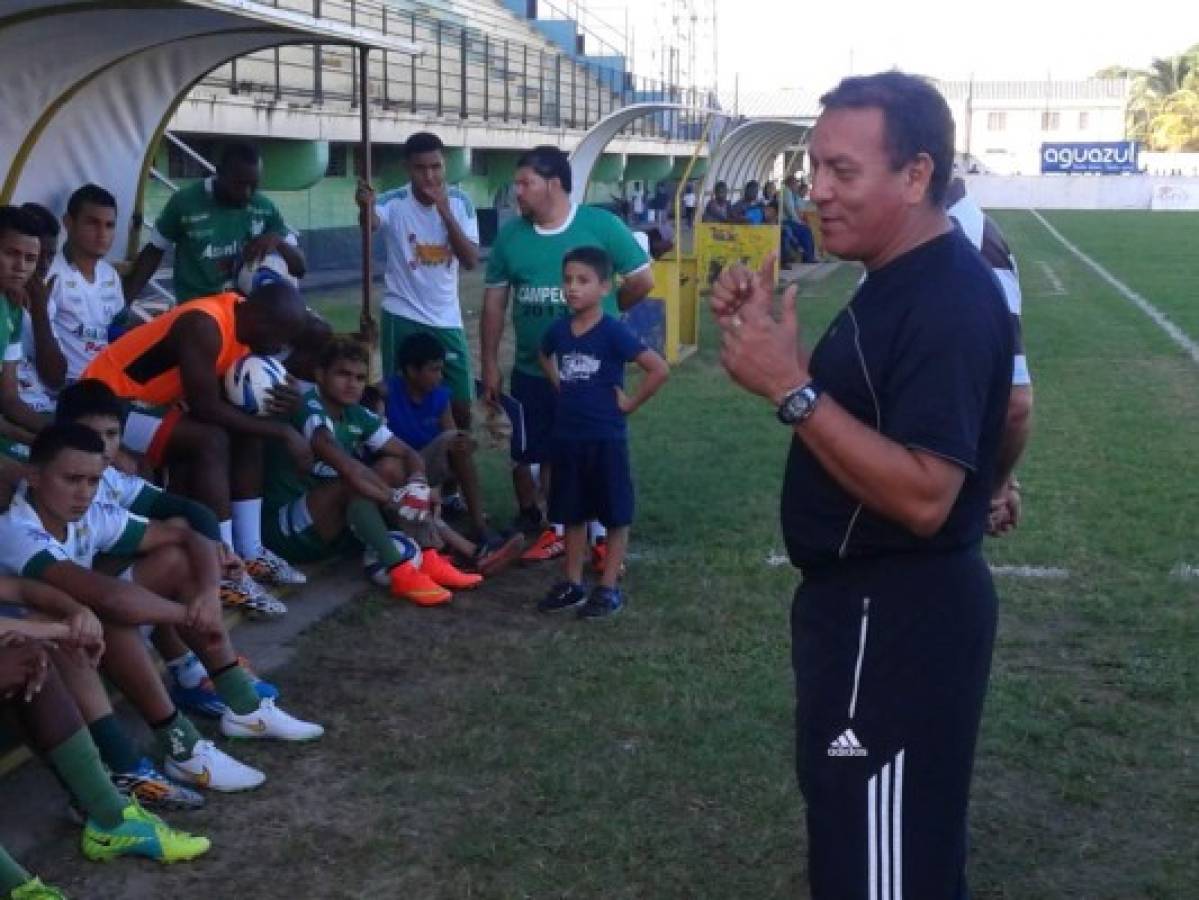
<point x="1163" y="109"/>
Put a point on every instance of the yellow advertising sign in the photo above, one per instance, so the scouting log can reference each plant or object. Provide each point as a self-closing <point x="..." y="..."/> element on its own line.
<point x="719" y="244"/>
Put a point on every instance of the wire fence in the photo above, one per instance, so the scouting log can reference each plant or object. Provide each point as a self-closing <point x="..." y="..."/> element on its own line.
<point x="490" y="70"/>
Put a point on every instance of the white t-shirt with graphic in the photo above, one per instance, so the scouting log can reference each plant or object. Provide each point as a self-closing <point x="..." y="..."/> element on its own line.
<point x="421" y="279"/>
<point x="83" y="310"/>
<point x="27" y="549"/>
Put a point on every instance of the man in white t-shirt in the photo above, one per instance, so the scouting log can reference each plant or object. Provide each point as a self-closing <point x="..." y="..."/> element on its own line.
<point x="986" y="235"/>
<point x="87" y="293"/>
<point x="429" y="230"/>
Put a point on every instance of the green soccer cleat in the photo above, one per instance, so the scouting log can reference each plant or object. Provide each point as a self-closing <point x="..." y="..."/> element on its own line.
<point x="141" y="834"/>
<point x="35" y="890"/>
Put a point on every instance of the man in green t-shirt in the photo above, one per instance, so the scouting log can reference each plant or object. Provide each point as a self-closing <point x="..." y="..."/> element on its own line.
<point x="20" y="248"/>
<point x="526" y="264"/>
<point x="213" y="225"/>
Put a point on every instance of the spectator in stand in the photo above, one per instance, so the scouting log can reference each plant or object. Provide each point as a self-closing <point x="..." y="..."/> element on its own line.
<point x="689" y="201"/>
<point x="718" y="208"/>
<point x="750" y="209"/>
<point x="797" y="236"/>
<point x="770" y="197"/>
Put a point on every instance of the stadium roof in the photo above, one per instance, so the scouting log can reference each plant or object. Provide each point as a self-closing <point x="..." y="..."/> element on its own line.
<point x="796" y="104"/>
<point x="87" y="88"/>
<point x="748" y="151"/>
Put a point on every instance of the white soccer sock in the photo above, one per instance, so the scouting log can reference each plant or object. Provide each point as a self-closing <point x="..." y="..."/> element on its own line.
<point x="560" y="530"/>
<point x="227" y="532"/>
<point x="247" y="527"/>
<point x="187" y="670"/>
<point x="535" y="471"/>
<point x="597" y="531"/>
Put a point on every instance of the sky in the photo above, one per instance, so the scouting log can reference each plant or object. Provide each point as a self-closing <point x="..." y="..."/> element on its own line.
<point x="784" y="43"/>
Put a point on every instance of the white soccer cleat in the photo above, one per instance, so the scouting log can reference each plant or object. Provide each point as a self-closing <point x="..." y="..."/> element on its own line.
<point x="214" y="770"/>
<point x="270" y="568"/>
<point x="269" y="721"/>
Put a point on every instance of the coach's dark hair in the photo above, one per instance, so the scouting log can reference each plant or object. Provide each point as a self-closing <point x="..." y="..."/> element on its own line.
<point x="14" y="218"/>
<point x="238" y="152"/>
<point x="47" y="222"/>
<point x="340" y="348"/>
<point x="418" y="350"/>
<point x="422" y="142"/>
<point x="53" y="439"/>
<point x="93" y="194"/>
<point x="916" y="119"/>
<point x="595" y="258"/>
<point x="89" y="397"/>
<point x="549" y="162"/>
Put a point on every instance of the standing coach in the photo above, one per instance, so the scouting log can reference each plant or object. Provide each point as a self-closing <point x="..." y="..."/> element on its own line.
<point x="897" y="417"/>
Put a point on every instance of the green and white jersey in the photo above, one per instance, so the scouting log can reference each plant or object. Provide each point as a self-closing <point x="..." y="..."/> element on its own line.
<point x="208" y="237"/>
<point x="528" y="259"/>
<point x="127" y="491"/>
<point x="11" y="318"/>
<point x="357" y="431"/>
<point x="27" y="549"/>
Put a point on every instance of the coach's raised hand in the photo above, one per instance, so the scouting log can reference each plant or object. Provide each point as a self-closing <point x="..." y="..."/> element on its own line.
<point x="761" y="354"/>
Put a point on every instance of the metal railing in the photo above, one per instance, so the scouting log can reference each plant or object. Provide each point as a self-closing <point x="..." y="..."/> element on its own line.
<point x="502" y="73"/>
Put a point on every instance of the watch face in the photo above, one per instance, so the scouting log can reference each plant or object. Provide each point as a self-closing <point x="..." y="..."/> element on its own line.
<point x="797" y="406"/>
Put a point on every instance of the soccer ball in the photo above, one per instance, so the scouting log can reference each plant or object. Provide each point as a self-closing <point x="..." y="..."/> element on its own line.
<point x="249" y="380"/>
<point x="376" y="572"/>
<point x="254" y="273"/>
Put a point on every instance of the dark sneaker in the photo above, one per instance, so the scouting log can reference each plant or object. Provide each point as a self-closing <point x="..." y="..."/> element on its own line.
<point x="602" y="602"/>
<point x="563" y="595"/>
<point x="497" y="553"/>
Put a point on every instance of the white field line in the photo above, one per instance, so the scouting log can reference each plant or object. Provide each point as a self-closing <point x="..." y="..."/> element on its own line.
<point x="1175" y="333"/>
<point x="1056" y="287"/>
<point x="1030" y="571"/>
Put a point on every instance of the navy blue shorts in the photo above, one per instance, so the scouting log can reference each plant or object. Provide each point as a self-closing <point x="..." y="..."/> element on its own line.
<point x="591" y="480"/>
<point x="532" y="426"/>
<point x="13" y="611"/>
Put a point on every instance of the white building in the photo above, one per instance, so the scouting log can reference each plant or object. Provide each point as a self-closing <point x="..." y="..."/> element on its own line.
<point x="1002" y="124"/>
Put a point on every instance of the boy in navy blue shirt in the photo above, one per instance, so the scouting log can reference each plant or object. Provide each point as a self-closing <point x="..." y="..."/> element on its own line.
<point x="584" y="356"/>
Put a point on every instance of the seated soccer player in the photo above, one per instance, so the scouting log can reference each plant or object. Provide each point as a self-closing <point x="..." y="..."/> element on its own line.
<point x="46" y="612"/>
<point x="213" y="451"/>
<point x="54" y="530"/>
<point x="91" y="403"/>
<point x="419" y="412"/>
<point x="43" y="366"/>
<point x="339" y="504"/>
<point x="31" y="688"/>
<point x="20" y="251"/>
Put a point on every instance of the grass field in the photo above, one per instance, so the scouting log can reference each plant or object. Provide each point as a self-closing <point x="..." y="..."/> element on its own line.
<point x="482" y="751"/>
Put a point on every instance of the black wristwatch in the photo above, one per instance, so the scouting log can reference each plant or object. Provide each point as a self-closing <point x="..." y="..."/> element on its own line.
<point x="798" y="404"/>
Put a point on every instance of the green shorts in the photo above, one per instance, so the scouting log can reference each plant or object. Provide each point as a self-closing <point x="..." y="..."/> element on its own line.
<point x="288" y="530"/>
<point x="458" y="377"/>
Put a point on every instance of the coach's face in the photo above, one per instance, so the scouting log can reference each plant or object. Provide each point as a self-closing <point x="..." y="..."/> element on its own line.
<point x="862" y="200"/>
